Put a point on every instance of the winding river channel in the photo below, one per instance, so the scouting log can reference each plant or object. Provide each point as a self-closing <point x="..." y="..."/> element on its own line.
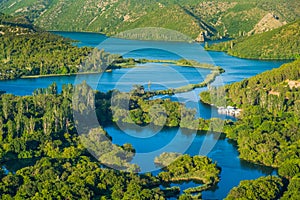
<point x="162" y="76"/>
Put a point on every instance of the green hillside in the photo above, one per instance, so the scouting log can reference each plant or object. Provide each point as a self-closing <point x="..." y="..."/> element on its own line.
<point x="175" y="18"/>
<point x="218" y="18"/>
<point x="281" y="43"/>
<point x="25" y="50"/>
<point x="267" y="132"/>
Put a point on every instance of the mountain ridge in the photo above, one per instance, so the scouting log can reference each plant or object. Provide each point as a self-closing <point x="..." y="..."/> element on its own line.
<point x="217" y="18"/>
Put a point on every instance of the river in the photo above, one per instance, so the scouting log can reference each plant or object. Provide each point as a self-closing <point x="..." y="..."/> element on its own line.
<point x="161" y="76"/>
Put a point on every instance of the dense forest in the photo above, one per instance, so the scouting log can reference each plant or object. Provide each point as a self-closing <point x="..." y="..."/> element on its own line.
<point x="46" y="152"/>
<point x="39" y="131"/>
<point x="51" y="156"/>
<point x="281" y="43"/>
<point x="262" y="188"/>
<point x="136" y="108"/>
<point x="38" y="134"/>
<point x="268" y="131"/>
<point x="27" y="51"/>
<point x="43" y="140"/>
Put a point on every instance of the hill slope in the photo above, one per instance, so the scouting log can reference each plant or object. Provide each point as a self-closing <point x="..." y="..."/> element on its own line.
<point x="25" y="50"/>
<point x="191" y="17"/>
<point x="267" y="132"/>
<point x="281" y="43"/>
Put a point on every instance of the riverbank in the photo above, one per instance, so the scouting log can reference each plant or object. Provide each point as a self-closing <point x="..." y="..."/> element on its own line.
<point x="182" y="63"/>
<point x="248" y="57"/>
<point x="57" y="75"/>
<point x="216" y="71"/>
<point x="187" y="88"/>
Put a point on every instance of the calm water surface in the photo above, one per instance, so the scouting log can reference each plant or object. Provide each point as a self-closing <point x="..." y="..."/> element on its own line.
<point x="164" y="76"/>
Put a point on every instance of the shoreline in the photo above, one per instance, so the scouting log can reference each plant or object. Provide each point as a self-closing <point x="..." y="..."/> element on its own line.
<point x="210" y="78"/>
<point x="249" y="58"/>
<point x="56" y="75"/>
<point x="193" y="41"/>
<point x="142" y="61"/>
<point x="107" y="35"/>
<point x="183" y="63"/>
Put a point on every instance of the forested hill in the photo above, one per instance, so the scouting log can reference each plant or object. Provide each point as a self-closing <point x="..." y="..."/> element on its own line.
<point x="268" y="130"/>
<point x="276" y="90"/>
<point x="26" y="50"/>
<point x="281" y="43"/>
<point x="258" y="90"/>
<point x="218" y="18"/>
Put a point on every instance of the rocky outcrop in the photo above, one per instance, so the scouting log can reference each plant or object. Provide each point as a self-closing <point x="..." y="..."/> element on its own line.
<point x="202" y="36"/>
<point x="268" y="22"/>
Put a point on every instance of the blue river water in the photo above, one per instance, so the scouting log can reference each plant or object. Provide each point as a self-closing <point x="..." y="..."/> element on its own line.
<point x="150" y="143"/>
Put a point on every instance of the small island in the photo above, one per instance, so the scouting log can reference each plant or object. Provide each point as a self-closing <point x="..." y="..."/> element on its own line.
<point x="186" y="168"/>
